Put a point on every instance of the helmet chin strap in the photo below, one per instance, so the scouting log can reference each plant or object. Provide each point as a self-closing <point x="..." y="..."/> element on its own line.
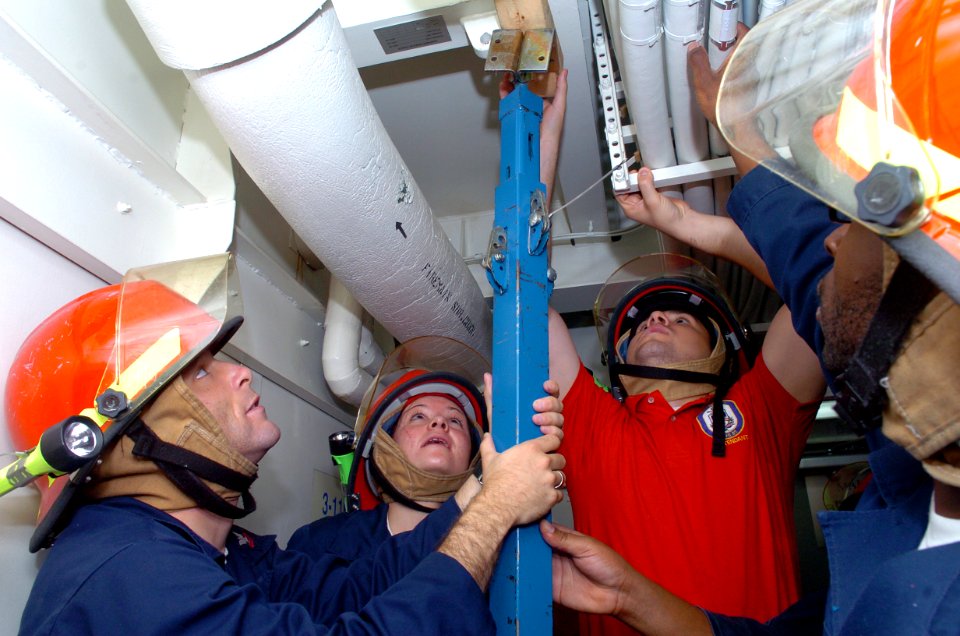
<point x="188" y="470"/>
<point x="175" y="456"/>
<point x="860" y="394"/>
<point x="392" y="492"/>
<point x="399" y="480"/>
<point x="700" y="376"/>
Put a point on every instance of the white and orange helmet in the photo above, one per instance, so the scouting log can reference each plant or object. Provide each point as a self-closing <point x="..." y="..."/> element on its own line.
<point x="858" y="99"/>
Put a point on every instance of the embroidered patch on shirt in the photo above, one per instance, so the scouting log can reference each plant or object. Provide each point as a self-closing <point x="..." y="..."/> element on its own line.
<point x="732" y="420"/>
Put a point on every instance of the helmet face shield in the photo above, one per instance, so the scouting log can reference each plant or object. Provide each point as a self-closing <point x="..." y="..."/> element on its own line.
<point x="840" y="88"/>
<point x="638" y="278"/>
<point x="166" y="316"/>
<point x="428" y="354"/>
<point x="132" y="337"/>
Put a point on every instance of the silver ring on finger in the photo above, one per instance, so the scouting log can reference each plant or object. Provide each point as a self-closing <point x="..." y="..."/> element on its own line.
<point x="561" y="479"/>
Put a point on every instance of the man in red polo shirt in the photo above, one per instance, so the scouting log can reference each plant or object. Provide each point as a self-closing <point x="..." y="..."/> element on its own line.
<point x="705" y="511"/>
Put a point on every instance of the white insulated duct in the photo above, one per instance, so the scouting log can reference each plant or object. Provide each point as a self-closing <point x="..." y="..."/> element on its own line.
<point x="722" y="36"/>
<point x="280" y="84"/>
<point x="641" y="28"/>
<point x="342" y="328"/>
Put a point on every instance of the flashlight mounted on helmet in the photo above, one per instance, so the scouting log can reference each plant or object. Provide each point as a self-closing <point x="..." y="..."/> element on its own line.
<point x="63" y="448"/>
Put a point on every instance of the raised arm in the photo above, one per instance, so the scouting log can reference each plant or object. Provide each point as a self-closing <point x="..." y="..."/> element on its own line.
<point x="564" y="359"/>
<point x="717" y="235"/>
<point x="551" y="128"/>
<point x="788" y="357"/>
<point x="791" y="361"/>
<point x="706" y="85"/>
<point x="551" y="131"/>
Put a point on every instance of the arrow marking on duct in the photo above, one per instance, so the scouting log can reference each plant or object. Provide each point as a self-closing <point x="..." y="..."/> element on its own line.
<point x="400" y="228"/>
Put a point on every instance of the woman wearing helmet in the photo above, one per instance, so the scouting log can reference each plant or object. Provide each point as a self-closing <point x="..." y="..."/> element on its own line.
<point x="418" y="434"/>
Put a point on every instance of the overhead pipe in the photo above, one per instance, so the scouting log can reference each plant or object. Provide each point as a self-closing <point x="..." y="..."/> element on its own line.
<point x="683" y="23"/>
<point x="722" y="36"/>
<point x="641" y="29"/>
<point x="749" y="12"/>
<point x="279" y="82"/>
<point x="769" y="7"/>
<point x="369" y="355"/>
<point x="611" y="9"/>
<point x="342" y="328"/>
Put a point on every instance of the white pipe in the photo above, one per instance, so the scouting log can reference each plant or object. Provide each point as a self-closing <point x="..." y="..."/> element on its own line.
<point x="298" y="118"/>
<point x="641" y="29"/>
<point x="682" y="24"/>
<point x="370" y="356"/>
<point x="341" y="345"/>
<point x="723" y="29"/>
<point x="722" y="37"/>
<point x="699" y="194"/>
<point x="612" y="10"/>
<point x="749" y="12"/>
<point x="769" y="7"/>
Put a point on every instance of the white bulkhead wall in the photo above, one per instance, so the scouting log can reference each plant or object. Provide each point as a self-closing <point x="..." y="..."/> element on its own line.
<point x="107" y="162"/>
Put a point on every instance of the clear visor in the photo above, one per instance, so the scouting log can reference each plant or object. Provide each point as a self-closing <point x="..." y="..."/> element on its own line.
<point x="167" y="315"/>
<point x="809" y="94"/>
<point x="644" y="269"/>
<point x="429" y="354"/>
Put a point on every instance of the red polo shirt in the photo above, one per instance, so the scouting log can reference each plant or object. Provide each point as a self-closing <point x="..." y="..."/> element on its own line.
<point x="718" y="532"/>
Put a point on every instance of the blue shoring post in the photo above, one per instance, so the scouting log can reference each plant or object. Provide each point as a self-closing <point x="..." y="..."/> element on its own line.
<point x="520" y="591"/>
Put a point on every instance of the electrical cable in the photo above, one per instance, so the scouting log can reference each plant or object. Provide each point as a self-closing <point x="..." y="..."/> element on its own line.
<point x="581" y="235"/>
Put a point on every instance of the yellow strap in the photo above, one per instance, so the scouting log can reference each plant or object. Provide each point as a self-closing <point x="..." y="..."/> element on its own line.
<point x="151" y="362"/>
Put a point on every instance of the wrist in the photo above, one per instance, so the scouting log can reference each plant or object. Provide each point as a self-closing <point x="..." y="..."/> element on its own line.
<point x="466" y="492"/>
<point x="493" y="507"/>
